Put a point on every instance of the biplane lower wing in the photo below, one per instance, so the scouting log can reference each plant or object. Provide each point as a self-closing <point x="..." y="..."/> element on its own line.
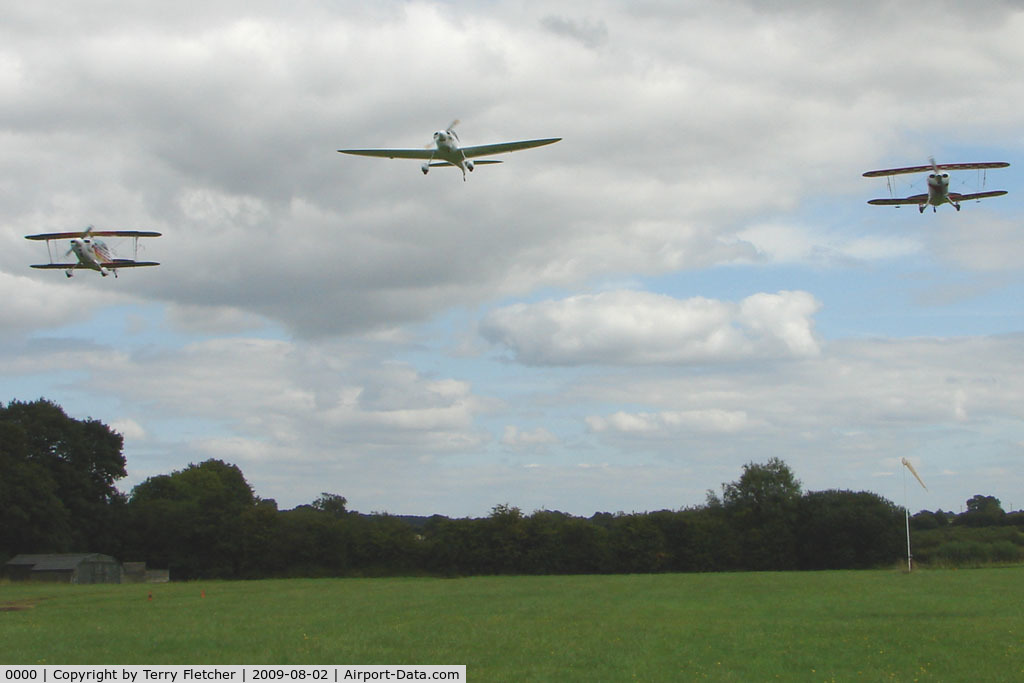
<point x="920" y="199"/>
<point x="916" y="199"/>
<point x="957" y="197"/>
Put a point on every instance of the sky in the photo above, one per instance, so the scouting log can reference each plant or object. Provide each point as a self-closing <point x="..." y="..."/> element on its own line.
<point x="690" y="281"/>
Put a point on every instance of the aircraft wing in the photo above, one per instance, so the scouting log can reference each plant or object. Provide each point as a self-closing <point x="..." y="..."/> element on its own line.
<point x="502" y="147"/>
<point x="113" y="265"/>
<point x="420" y="153"/>
<point x="91" y="233"/>
<point x="957" y="197"/>
<point x="941" y="167"/>
<point x="128" y="263"/>
<point x="916" y="199"/>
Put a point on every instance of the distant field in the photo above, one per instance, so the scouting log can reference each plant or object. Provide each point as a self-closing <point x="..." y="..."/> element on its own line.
<point x="869" y="625"/>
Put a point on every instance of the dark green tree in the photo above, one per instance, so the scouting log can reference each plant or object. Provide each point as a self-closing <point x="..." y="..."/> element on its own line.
<point x="310" y="542"/>
<point x="762" y="507"/>
<point x="982" y="511"/>
<point x="637" y="545"/>
<point x="57" y="488"/>
<point x="847" y="530"/>
<point x="926" y="520"/>
<point x="505" y="537"/>
<point x="192" y="520"/>
<point x="32" y="517"/>
<point x="332" y="504"/>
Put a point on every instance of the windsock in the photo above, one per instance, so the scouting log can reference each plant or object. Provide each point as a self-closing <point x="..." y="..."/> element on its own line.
<point x="906" y="463"/>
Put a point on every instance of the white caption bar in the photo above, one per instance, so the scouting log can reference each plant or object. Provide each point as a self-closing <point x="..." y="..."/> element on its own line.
<point x="234" y="673"/>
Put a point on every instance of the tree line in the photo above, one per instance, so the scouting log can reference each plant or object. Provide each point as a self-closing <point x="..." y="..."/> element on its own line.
<point x="57" y="494"/>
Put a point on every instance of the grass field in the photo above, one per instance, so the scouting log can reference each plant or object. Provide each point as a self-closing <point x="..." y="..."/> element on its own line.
<point x="868" y="625"/>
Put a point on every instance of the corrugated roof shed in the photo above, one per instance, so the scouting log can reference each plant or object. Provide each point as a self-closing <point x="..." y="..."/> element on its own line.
<point x="65" y="567"/>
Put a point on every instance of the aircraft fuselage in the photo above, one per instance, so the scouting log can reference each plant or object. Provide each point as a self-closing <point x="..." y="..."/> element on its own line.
<point x="90" y="254"/>
<point x="447" y="149"/>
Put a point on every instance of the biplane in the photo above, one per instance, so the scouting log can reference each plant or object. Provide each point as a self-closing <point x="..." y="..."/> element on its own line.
<point x="938" y="185"/>
<point x="92" y="253"/>
<point x="446" y="151"/>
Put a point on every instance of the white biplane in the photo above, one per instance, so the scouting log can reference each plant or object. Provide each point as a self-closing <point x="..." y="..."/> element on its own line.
<point x="938" y="185"/>
<point x="92" y="253"/>
<point x="446" y="150"/>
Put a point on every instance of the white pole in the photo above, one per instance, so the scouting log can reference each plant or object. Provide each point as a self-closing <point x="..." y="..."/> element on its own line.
<point x="906" y="513"/>
<point x="909" y="567"/>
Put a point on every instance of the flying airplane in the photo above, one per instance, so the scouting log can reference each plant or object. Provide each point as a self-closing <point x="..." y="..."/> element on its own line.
<point x="447" y="150"/>
<point x="92" y="253"/>
<point x="938" y="185"/>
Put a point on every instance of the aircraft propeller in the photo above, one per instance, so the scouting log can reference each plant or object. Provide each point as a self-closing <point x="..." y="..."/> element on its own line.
<point x="450" y="130"/>
<point x="84" y="237"/>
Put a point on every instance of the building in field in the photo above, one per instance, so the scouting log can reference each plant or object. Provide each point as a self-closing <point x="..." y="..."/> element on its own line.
<point x="64" y="568"/>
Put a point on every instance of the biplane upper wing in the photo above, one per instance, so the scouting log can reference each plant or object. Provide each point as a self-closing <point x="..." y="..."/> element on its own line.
<point x="392" y="153"/>
<point x="91" y="233"/>
<point x="916" y="199"/>
<point x="941" y="167"/>
<point x="112" y="265"/>
<point x="502" y="147"/>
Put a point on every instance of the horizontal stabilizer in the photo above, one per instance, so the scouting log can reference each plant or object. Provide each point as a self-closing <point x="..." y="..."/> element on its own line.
<point x="475" y="163"/>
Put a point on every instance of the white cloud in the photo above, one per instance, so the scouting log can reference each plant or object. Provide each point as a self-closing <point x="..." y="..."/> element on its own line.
<point x="514" y="437"/>
<point x="782" y="243"/>
<point x="53" y="300"/>
<point x="128" y="428"/>
<point x="667" y="424"/>
<point x="629" y="327"/>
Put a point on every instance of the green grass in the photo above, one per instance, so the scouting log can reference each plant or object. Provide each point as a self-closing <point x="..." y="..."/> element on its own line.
<point x="870" y="625"/>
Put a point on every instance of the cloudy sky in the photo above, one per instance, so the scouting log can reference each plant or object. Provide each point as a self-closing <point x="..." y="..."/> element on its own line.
<point x="689" y="281"/>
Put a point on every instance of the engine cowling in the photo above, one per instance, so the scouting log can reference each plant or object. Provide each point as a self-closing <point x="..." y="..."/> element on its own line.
<point x="469" y="165"/>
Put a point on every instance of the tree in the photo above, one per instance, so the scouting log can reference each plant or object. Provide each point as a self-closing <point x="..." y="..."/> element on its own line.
<point x="762" y="506"/>
<point x="332" y="504"/>
<point x="32" y="518"/>
<point x="847" y="530"/>
<point x="193" y="520"/>
<point x="505" y="533"/>
<point x="310" y="542"/>
<point x="58" y="480"/>
<point x="982" y="511"/>
<point x="925" y="520"/>
<point x="763" y="487"/>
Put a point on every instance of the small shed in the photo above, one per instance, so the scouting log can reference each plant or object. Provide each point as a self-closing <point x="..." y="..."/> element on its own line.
<point x="65" y="568"/>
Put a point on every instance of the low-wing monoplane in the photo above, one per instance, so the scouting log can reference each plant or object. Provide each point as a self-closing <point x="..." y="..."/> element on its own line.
<point x="446" y="151"/>
<point x="938" y="185"/>
<point x="92" y="253"/>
